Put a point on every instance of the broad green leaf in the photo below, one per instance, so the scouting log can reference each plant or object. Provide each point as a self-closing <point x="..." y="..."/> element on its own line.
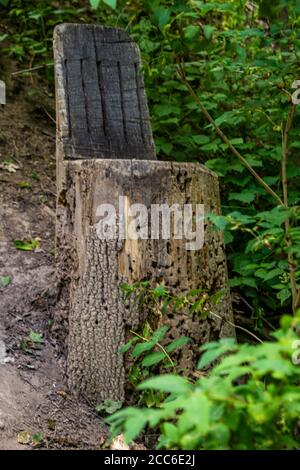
<point x="200" y="139"/>
<point x="208" y="31"/>
<point x="162" y="17"/>
<point x="191" y="32"/>
<point x="159" y="334"/>
<point x="153" y="358"/>
<point x="109" y="406"/>
<point x="211" y="355"/>
<point x="5" y="281"/>
<point x="167" y="383"/>
<point x="134" y="426"/>
<point x="111" y="3"/>
<point x="177" y="343"/>
<point x="283" y="295"/>
<point x="142" y="347"/>
<point x="27" y="246"/>
<point x="35" y="337"/>
<point x="95" y="4"/>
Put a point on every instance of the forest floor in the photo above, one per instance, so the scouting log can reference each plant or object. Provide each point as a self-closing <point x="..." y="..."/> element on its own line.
<point x="36" y="409"/>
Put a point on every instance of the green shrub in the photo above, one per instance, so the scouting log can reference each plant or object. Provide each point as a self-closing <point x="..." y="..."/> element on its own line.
<point x="250" y="399"/>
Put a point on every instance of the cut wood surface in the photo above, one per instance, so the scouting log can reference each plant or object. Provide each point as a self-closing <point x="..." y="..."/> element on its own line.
<point x="102" y="109"/>
<point x="99" y="316"/>
<point x="105" y="150"/>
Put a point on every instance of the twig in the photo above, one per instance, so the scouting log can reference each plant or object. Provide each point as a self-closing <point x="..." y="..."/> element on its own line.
<point x="49" y="115"/>
<point x="291" y="261"/>
<point x="237" y="326"/>
<point x="32" y="69"/>
<point x="157" y="344"/>
<point x="268" y="189"/>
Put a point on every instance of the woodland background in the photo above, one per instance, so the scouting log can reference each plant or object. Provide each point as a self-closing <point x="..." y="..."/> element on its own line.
<point x="219" y="79"/>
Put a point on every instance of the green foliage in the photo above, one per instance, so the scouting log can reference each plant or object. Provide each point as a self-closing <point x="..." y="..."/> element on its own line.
<point x="27" y="245"/>
<point x="250" y="399"/>
<point x="241" y="60"/>
<point x="95" y="4"/>
<point x="35" y="337"/>
<point x="109" y="406"/>
<point x="5" y="281"/>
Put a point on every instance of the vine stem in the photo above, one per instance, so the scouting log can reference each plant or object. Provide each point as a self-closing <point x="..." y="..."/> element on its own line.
<point x="282" y="202"/>
<point x="237" y="326"/>
<point x="208" y="116"/>
<point x="291" y="261"/>
<point x="157" y="344"/>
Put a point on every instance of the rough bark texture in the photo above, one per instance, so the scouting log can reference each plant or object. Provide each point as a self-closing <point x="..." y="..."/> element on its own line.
<point x="99" y="317"/>
<point x="102" y="109"/>
<point x="105" y="150"/>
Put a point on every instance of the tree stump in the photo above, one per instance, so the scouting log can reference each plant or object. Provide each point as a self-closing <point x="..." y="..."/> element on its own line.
<point x="110" y="163"/>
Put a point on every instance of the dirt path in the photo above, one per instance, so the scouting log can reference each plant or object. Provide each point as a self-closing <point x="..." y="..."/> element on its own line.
<point x="33" y="396"/>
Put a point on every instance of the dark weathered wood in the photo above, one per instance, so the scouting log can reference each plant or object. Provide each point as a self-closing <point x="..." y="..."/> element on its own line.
<point x="103" y="133"/>
<point x="102" y="108"/>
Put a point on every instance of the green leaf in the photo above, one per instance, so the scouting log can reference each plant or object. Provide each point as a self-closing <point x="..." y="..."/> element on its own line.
<point x="95" y="4"/>
<point x="109" y="406"/>
<point x="200" y="139"/>
<point x="134" y="426"/>
<point x="219" y="221"/>
<point x="5" y="281"/>
<point x="283" y="295"/>
<point x="111" y="3"/>
<point x="167" y="383"/>
<point x="35" y="337"/>
<point x="245" y="196"/>
<point x="153" y="358"/>
<point x="208" y="31"/>
<point x="162" y="17"/>
<point x="159" y="291"/>
<point x="37" y="437"/>
<point x="273" y="273"/>
<point x="191" y="32"/>
<point x="177" y="343"/>
<point x="162" y="110"/>
<point x="142" y="347"/>
<point x="27" y="246"/>
<point x="123" y="349"/>
<point x="159" y="334"/>
<point x="219" y="349"/>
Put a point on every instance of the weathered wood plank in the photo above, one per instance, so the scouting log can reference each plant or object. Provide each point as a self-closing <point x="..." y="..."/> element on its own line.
<point x="101" y="102"/>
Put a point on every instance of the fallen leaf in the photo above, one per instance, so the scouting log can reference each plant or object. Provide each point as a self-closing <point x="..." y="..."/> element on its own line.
<point x="23" y="437"/>
<point x="119" y="443"/>
<point x="10" y="167"/>
<point x="5" y="281"/>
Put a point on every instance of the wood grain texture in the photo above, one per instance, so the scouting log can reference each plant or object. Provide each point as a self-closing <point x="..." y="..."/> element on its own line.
<point x="102" y="109"/>
<point x="98" y="318"/>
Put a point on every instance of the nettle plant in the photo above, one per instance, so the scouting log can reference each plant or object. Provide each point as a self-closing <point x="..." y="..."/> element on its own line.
<point x="149" y="349"/>
<point x="250" y="399"/>
<point x="223" y="76"/>
<point x="219" y="77"/>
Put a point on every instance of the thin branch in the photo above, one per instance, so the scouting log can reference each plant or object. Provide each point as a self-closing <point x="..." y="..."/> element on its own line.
<point x="268" y="189"/>
<point x="237" y="326"/>
<point x="291" y="261"/>
<point x="32" y="69"/>
<point x="157" y="344"/>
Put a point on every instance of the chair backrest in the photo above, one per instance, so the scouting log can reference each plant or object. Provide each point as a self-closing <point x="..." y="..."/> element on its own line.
<point x="102" y="109"/>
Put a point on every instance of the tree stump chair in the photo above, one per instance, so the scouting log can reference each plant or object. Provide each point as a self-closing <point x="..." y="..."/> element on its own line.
<point x="106" y="158"/>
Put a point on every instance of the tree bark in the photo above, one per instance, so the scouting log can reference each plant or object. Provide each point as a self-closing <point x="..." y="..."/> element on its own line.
<point x="98" y="316"/>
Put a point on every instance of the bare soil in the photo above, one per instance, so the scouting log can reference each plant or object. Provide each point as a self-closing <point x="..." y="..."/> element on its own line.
<point x="34" y="400"/>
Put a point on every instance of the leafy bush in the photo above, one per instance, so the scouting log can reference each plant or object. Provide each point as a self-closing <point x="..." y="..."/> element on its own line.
<point x="249" y="400"/>
<point x="240" y="60"/>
